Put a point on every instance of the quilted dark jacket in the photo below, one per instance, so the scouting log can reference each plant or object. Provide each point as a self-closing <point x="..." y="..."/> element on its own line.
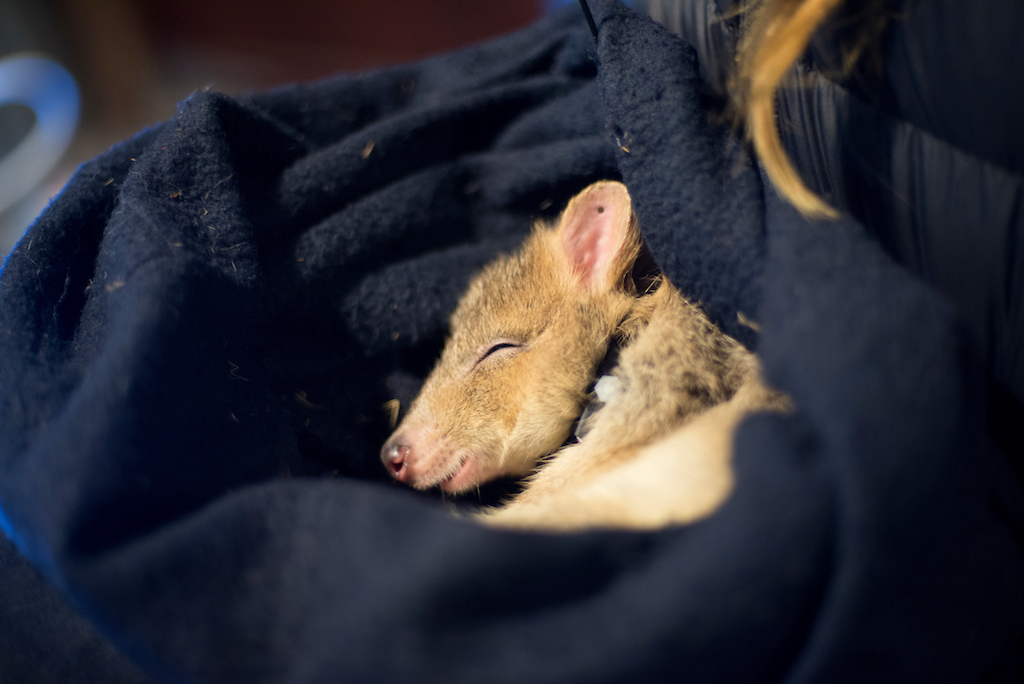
<point x="921" y="143"/>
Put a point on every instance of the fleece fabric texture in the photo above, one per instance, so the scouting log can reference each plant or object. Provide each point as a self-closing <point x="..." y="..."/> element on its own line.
<point x="197" y="338"/>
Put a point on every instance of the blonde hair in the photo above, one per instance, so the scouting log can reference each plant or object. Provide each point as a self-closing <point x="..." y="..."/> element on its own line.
<point x="776" y="33"/>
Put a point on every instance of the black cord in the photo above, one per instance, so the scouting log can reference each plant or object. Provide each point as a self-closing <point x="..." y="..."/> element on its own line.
<point x="590" y="18"/>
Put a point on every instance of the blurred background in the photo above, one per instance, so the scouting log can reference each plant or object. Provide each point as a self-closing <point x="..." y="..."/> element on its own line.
<point x="77" y="76"/>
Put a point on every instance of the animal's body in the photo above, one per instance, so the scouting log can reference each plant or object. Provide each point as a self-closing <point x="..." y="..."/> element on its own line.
<point x="526" y="343"/>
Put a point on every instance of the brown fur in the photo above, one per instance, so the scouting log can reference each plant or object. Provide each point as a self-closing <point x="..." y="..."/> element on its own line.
<point x="657" y="453"/>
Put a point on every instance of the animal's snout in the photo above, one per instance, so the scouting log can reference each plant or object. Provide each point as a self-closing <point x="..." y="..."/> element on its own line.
<point x="395" y="455"/>
<point x="421" y="456"/>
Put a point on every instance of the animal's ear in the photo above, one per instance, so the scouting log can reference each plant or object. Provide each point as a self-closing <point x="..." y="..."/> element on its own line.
<point x="600" y="236"/>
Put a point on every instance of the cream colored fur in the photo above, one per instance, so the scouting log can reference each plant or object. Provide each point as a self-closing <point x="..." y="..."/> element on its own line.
<point x="657" y="453"/>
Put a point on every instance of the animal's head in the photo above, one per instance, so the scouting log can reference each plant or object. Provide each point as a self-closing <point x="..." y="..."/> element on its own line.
<point x="525" y="341"/>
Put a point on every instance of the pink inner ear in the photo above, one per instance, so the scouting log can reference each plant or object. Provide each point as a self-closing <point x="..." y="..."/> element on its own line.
<point x="591" y="236"/>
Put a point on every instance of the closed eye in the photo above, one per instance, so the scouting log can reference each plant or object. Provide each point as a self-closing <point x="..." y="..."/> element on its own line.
<point x="497" y="349"/>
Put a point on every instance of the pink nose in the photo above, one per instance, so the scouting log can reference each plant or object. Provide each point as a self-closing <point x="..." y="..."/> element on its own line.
<point x="394" y="455"/>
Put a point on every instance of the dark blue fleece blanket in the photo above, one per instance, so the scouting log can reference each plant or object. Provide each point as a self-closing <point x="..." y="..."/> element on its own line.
<point x="198" y="335"/>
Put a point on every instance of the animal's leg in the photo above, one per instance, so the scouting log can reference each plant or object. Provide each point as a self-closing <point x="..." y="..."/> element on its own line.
<point x="678" y="479"/>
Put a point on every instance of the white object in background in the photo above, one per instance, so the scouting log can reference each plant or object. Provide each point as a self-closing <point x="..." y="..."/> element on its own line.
<point x="50" y="92"/>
